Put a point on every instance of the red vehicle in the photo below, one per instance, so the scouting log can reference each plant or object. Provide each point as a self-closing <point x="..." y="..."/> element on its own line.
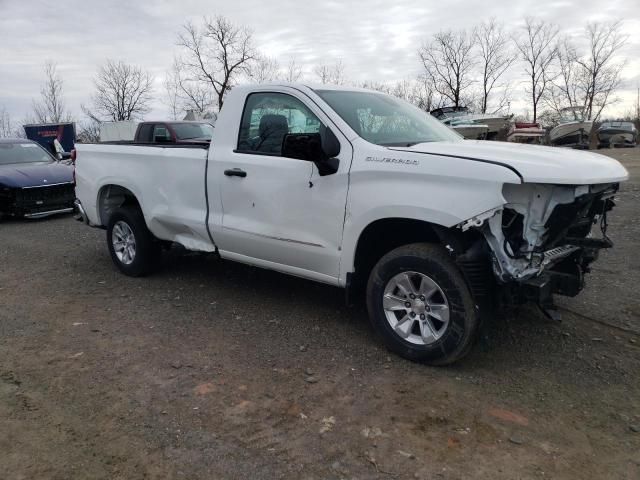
<point x="173" y="132"/>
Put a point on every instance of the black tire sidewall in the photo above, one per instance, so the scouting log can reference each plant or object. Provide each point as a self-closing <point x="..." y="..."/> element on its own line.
<point x="463" y="321"/>
<point x="146" y="248"/>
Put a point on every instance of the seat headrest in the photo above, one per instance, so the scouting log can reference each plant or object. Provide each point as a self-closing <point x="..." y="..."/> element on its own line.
<point x="272" y="123"/>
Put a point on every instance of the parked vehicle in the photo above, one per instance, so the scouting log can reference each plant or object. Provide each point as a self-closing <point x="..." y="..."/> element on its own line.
<point x="183" y="131"/>
<point x="612" y="134"/>
<point x="361" y="190"/>
<point x="573" y="129"/>
<point x="526" y="132"/>
<point x="32" y="182"/>
<point x="56" y="138"/>
<point x="122" y="131"/>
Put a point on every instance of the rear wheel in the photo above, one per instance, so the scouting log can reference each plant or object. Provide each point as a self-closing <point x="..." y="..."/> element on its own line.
<point x="421" y="306"/>
<point x="132" y="246"/>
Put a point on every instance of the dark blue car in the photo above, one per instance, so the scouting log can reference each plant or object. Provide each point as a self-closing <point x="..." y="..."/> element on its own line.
<point x="32" y="182"/>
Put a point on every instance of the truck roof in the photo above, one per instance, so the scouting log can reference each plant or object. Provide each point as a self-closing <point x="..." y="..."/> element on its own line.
<point x="15" y="140"/>
<point x="310" y="86"/>
<point x="174" y="121"/>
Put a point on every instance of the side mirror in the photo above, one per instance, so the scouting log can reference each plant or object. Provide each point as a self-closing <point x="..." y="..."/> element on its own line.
<point x="330" y="143"/>
<point x="320" y="148"/>
<point x="303" y="146"/>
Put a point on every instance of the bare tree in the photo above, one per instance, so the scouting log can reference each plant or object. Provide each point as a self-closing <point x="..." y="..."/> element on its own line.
<point x="419" y="92"/>
<point x="50" y="108"/>
<point x="172" y="94"/>
<point x="377" y="86"/>
<point x="293" y="72"/>
<point x="6" y="126"/>
<point x="538" y="50"/>
<point x="600" y="71"/>
<point x="189" y="93"/>
<point x="216" y="54"/>
<point x="448" y="64"/>
<point x="88" y="131"/>
<point x="123" y="92"/>
<point x="564" y="90"/>
<point x="264" y="69"/>
<point x="330" y="73"/>
<point x="588" y="79"/>
<point x="495" y="59"/>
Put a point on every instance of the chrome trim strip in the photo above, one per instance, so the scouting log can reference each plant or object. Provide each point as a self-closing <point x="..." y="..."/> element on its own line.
<point x="274" y="238"/>
<point x="48" y="185"/>
<point x="46" y="214"/>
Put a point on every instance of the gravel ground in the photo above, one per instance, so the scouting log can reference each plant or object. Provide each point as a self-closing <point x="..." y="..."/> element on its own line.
<point x="215" y="370"/>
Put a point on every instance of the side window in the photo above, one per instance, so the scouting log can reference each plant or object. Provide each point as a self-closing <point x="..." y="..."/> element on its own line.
<point x="161" y="133"/>
<point x="144" y="135"/>
<point x="268" y="117"/>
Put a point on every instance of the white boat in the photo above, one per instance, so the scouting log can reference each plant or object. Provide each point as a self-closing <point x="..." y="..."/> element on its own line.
<point x="617" y="134"/>
<point x="494" y="122"/>
<point x="573" y="129"/>
<point x="522" y="132"/>
<point x="468" y="129"/>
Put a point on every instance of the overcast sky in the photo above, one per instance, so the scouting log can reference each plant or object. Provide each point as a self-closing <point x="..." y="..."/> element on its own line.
<point x="376" y="40"/>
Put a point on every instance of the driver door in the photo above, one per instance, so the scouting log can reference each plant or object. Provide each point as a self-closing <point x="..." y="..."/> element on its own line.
<point x="278" y="212"/>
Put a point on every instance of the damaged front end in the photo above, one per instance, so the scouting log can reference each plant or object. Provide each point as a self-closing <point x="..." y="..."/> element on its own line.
<point x="542" y="240"/>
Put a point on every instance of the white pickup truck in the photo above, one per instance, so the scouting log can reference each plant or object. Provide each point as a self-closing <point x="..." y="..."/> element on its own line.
<point x="358" y="189"/>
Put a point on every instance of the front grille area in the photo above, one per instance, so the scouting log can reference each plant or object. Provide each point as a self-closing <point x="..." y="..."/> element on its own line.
<point x="33" y="200"/>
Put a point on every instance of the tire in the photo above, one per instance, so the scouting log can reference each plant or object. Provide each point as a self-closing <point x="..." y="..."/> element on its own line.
<point x="431" y="339"/>
<point x="145" y="255"/>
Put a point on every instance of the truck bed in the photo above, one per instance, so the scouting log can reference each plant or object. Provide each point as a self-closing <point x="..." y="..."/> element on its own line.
<point x="167" y="179"/>
<point x="203" y="145"/>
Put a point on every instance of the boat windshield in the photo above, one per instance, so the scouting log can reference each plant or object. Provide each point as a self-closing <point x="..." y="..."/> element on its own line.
<point x="385" y="120"/>
<point x="574" y="114"/>
<point x="26" y="152"/>
<point x="617" y="125"/>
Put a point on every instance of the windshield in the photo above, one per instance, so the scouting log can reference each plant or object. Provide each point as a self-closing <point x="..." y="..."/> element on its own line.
<point x="188" y="131"/>
<point x="23" y="153"/>
<point x="572" y="115"/>
<point x="386" y="120"/>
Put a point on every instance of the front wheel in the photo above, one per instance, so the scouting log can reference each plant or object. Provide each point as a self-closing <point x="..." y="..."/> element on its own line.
<point x="132" y="246"/>
<point x="421" y="306"/>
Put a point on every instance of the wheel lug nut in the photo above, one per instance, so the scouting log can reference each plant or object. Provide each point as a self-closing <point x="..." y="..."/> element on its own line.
<point x="422" y="317"/>
<point x="412" y="296"/>
<point x="407" y="304"/>
<point x="412" y="314"/>
<point x="422" y="297"/>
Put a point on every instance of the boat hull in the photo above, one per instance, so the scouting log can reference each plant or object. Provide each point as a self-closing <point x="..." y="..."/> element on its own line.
<point x="571" y="133"/>
<point x="472" y="132"/>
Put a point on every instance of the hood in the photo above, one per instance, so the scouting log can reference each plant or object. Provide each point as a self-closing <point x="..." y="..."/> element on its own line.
<point x="19" y="175"/>
<point x="534" y="163"/>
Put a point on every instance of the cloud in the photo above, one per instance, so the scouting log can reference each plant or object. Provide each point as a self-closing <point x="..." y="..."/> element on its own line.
<point x="376" y="40"/>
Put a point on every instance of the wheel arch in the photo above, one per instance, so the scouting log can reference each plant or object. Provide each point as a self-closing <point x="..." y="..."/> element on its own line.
<point x="382" y="235"/>
<point x="112" y="196"/>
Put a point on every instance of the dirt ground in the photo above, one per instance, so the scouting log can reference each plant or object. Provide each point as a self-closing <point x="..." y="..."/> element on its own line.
<point x="215" y="370"/>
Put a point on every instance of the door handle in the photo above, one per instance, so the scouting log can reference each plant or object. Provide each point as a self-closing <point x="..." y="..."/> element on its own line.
<point x="235" y="172"/>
